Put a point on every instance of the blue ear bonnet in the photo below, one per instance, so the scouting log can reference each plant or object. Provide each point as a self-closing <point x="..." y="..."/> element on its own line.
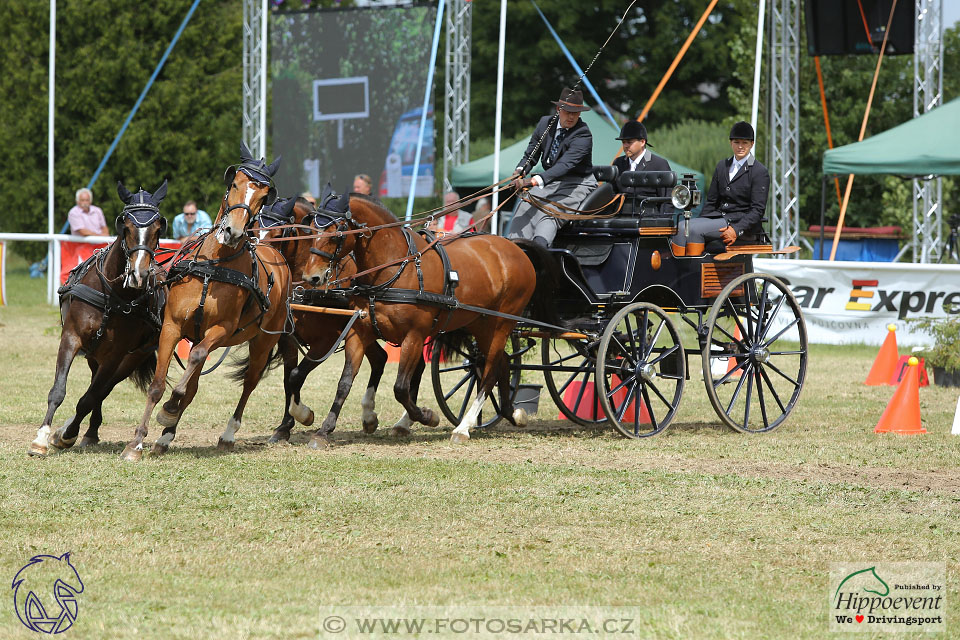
<point x="323" y="219"/>
<point x="273" y="215"/>
<point x="256" y="170"/>
<point x="142" y="210"/>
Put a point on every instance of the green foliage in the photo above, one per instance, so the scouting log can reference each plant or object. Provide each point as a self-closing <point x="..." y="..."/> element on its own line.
<point x="186" y="130"/>
<point x="945" y="352"/>
<point x="696" y="144"/>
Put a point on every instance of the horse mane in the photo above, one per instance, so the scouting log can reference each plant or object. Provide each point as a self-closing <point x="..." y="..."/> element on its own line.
<point x="376" y="206"/>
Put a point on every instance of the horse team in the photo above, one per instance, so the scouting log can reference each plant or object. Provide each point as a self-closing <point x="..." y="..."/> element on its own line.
<point x="126" y="313"/>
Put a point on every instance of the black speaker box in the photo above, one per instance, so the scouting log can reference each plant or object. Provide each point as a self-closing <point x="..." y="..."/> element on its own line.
<point x="836" y="27"/>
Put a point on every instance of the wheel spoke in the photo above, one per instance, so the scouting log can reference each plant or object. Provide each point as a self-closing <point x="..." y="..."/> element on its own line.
<point x="653" y="417"/>
<point x="660" y="395"/>
<point x="656" y="336"/>
<point x="466" y="366"/>
<point x="761" y="309"/>
<point x="786" y="353"/>
<point x="663" y="355"/>
<point x="623" y="382"/>
<point x="746" y="409"/>
<point x="773" y="391"/>
<point x="739" y="366"/>
<point x="769" y="322"/>
<point x="466" y="399"/>
<point x="580" y="391"/>
<point x="781" y="332"/>
<point x="795" y="383"/>
<point x="623" y="350"/>
<point x="763" y="405"/>
<point x="468" y="376"/>
<point x="622" y="409"/>
<point x="736" y="393"/>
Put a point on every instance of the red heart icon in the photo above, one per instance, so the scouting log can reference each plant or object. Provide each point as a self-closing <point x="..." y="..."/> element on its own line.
<point x="859" y="618"/>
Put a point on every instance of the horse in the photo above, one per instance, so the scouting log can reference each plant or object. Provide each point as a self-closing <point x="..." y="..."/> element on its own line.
<point x="318" y="331"/>
<point x="215" y="305"/>
<point x="396" y="272"/>
<point x="110" y="309"/>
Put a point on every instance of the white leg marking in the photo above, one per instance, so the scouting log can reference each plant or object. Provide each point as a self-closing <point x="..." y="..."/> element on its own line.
<point x="470" y="418"/>
<point x="43" y="437"/>
<point x="404" y="422"/>
<point x="368" y="404"/>
<point x="230" y="433"/>
<point x="165" y="439"/>
<point x="301" y="412"/>
<point x="520" y="417"/>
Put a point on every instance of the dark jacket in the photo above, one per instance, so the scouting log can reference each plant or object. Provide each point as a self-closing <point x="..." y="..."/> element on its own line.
<point x="743" y="200"/>
<point x="575" y="159"/>
<point x="648" y="162"/>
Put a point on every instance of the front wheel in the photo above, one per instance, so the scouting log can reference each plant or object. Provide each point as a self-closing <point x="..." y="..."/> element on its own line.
<point x="641" y="369"/>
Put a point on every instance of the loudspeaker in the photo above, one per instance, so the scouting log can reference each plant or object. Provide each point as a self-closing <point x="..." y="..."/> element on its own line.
<point x="838" y="27"/>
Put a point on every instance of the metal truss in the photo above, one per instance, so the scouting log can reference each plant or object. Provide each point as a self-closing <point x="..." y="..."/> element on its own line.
<point x="784" y="123"/>
<point x="255" y="76"/>
<point x="456" y="130"/>
<point x="927" y="95"/>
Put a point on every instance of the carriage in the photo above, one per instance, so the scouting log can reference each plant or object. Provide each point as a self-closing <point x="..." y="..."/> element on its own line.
<point x="626" y="315"/>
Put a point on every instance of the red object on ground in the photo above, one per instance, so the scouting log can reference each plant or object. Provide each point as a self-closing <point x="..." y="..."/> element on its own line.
<point x="901" y="367"/>
<point x="883" y="367"/>
<point x="589" y="402"/>
<point x="902" y="414"/>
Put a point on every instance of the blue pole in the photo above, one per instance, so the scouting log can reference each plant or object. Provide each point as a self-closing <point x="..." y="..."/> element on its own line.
<point x="576" y="67"/>
<point x="143" y="94"/>
<point x="423" y="113"/>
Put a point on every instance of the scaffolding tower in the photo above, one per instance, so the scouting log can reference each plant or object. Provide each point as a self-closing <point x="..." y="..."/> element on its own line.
<point x="784" y="122"/>
<point x="927" y="95"/>
<point x="456" y="111"/>
<point x="255" y="76"/>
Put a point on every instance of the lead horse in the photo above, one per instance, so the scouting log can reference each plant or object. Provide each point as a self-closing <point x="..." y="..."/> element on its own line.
<point x="215" y="305"/>
<point x="406" y="292"/>
<point x="110" y="308"/>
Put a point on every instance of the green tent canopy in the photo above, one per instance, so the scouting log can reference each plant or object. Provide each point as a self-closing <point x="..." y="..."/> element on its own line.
<point x="479" y="172"/>
<point x="926" y="145"/>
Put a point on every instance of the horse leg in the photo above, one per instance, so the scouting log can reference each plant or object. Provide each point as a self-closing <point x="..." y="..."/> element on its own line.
<point x="260" y="348"/>
<point x="169" y="337"/>
<point x="353" y="358"/>
<point x="402" y="428"/>
<point x="288" y="349"/>
<point x="492" y="349"/>
<point x="411" y="365"/>
<point x="377" y="358"/>
<point x="174" y="407"/>
<point x="69" y="346"/>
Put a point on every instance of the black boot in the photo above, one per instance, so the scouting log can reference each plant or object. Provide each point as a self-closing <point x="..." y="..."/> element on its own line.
<point x="540" y="240"/>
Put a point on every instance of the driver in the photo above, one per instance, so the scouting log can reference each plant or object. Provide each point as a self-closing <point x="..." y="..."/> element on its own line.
<point x="736" y="201"/>
<point x="564" y="145"/>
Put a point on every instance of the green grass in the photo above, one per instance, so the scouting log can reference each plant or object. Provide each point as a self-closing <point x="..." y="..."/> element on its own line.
<point x="708" y="533"/>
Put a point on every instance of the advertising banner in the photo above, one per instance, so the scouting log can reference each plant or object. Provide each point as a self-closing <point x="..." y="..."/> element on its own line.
<point x="74" y="253"/>
<point x="347" y="90"/>
<point x="853" y="302"/>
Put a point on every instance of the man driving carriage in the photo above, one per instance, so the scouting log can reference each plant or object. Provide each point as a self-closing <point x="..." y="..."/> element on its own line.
<point x="736" y="200"/>
<point x="562" y="142"/>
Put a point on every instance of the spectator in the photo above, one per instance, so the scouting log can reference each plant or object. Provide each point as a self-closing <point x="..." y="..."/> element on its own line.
<point x="190" y="222"/>
<point x="481" y="211"/>
<point x="362" y="184"/>
<point x="86" y="219"/>
<point x="306" y="195"/>
<point x="455" y="220"/>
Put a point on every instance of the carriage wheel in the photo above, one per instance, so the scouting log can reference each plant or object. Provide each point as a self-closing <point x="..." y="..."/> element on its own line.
<point x="757" y="322"/>
<point x="641" y="368"/>
<point x="456" y="379"/>
<point x="569" y="367"/>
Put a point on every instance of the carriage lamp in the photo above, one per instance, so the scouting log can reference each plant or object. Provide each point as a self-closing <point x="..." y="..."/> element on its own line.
<point x="686" y="195"/>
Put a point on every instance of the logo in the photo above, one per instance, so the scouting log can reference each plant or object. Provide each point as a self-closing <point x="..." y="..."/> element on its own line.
<point x="904" y="596"/>
<point x="45" y="594"/>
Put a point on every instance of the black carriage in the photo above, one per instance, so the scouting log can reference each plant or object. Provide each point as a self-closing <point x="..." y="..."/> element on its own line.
<point x="624" y="315"/>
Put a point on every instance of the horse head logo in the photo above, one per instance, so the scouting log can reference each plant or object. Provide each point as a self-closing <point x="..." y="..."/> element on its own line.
<point x="45" y="594"/>
<point x="867" y="580"/>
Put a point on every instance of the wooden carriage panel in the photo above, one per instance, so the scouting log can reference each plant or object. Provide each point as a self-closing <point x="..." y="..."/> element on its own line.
<point x="715" y="276"/>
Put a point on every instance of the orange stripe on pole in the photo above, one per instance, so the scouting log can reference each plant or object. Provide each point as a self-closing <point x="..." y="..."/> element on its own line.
<point x="863" y="130"/>
<point x="866" y="27"/>
<point x="826" y="121"/>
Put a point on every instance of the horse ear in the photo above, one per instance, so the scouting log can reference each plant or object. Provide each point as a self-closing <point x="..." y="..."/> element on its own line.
<point x="160" y="193"/>
<point x="287" y="208"/>
<point x="119" y="225"/>
<point x="124" y="193"/>
<point x="245" y="151"/>
<point x="272" y="169"/>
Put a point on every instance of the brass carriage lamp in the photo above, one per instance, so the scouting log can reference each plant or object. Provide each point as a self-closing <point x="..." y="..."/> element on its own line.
<point x="686" y="195"/>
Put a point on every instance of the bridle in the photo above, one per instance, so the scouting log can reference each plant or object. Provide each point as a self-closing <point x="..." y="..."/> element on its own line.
<point x="259" y="177"/>
<point x="320" y="221"/>
<point x="142" y="214"/>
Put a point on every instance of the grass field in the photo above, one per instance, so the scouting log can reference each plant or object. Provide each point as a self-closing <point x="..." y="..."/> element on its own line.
<point x="706" y="533"/>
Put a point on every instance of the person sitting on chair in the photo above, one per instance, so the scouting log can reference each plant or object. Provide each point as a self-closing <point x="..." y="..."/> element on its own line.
<point x="736" y="200"/>
<point x="564" y="145"/>
<point x="637" y="157"/>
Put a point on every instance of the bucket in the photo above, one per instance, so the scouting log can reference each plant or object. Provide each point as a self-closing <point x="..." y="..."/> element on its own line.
<point x="528" y="398"/>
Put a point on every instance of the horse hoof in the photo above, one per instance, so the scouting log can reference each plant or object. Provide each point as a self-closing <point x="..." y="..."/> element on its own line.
<point x="57" y="441"/>
<point x="159" y="449"/>
<point x="371" y="425"/>
<point x="39" y="445"/>
<point x="36" y="450"/>
<point x="301" y="413"/>
<point x="400" y="432"/>
<point x="431" y="418"/>
<point x="279" y="436"/>
<point x="459" y="438"/>
<point x="225" y="445"/>
<point x="87" y="441"/>
<point x="131" y="453"/>
<point x="167" y="419"/>
<point x="320" y="442"/>
<point x="520" y="417"/>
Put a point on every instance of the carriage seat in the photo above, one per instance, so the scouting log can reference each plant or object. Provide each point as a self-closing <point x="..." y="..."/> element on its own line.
<point x="634" y="213"/>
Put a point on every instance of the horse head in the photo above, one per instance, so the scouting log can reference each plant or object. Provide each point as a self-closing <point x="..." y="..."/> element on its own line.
<point x="46" y="580"/>
<point x="139" y="229"/>
<point x="329" y="249"/>
<point x="249" y="188"/>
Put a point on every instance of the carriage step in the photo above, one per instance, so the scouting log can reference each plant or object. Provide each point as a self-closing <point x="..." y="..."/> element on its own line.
<point x="754" y="249"/>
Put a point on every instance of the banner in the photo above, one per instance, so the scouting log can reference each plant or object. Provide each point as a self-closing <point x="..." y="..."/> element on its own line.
<point x="348" y="89"/>
<point x="3" y="274"/>
<point x="853" y="302"/>
<point x="74" y="253"/>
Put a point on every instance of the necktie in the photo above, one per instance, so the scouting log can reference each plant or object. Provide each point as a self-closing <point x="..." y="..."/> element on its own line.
<point x="555" y="147"/>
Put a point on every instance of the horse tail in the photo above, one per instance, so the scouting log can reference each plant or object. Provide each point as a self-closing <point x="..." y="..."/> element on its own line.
<point x="453" y="344"/>
<point x="142" y="376"/>
<point x="241" y="365"/>
<point x="542" y="303"/>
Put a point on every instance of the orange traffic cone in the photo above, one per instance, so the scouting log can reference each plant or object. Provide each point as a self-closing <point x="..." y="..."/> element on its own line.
<point x="731" y="361"/>
<point x="886" y="362"/>
<point x="183" y="349"/>
<point x="902" y="414"/>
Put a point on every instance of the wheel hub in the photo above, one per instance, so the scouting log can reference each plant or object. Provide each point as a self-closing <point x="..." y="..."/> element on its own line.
<point x="647" y="371"/>
<point x="761" y="355"/>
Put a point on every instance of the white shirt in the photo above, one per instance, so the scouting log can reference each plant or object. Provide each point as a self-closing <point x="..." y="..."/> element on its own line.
<point x="735" y="165"/>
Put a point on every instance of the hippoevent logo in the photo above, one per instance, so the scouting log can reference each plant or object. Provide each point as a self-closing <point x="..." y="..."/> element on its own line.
<point x="45" y="594"/>
<point x="904" y="596"/>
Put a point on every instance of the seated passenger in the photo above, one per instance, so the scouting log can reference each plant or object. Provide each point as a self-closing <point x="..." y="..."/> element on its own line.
<point x="564" y="145"/>
<point x="637" y="157"/>
<point x="735" y="202"/>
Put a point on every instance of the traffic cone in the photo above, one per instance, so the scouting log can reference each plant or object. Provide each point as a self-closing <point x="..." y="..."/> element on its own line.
<point x="956" y="421"/>
<point x="183" y="349"/>
<point x="886" y="362"/>
<point x="719" y="368"/>
<point x="902" y="414"/>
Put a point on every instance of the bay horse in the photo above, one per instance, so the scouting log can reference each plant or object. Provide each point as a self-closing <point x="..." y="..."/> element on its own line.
<point x="493" y="274"/>
<point x="110" y="308"/>
<point x="216" y="305"/>
<point x="317" y="331"/>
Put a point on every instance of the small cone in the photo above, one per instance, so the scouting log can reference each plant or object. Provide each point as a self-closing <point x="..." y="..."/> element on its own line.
<point x="902" y="414"/>
<point x="732" y="362"/>
<point x="956" y="420"/>
<point x="183" y="349"/>
<point x="590" y="409"/>
<point x="886" y="363"/>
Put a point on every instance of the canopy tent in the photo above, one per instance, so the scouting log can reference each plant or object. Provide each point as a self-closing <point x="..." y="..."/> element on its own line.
<point x="925" y="145"/>
<point x="479" y="173"/>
